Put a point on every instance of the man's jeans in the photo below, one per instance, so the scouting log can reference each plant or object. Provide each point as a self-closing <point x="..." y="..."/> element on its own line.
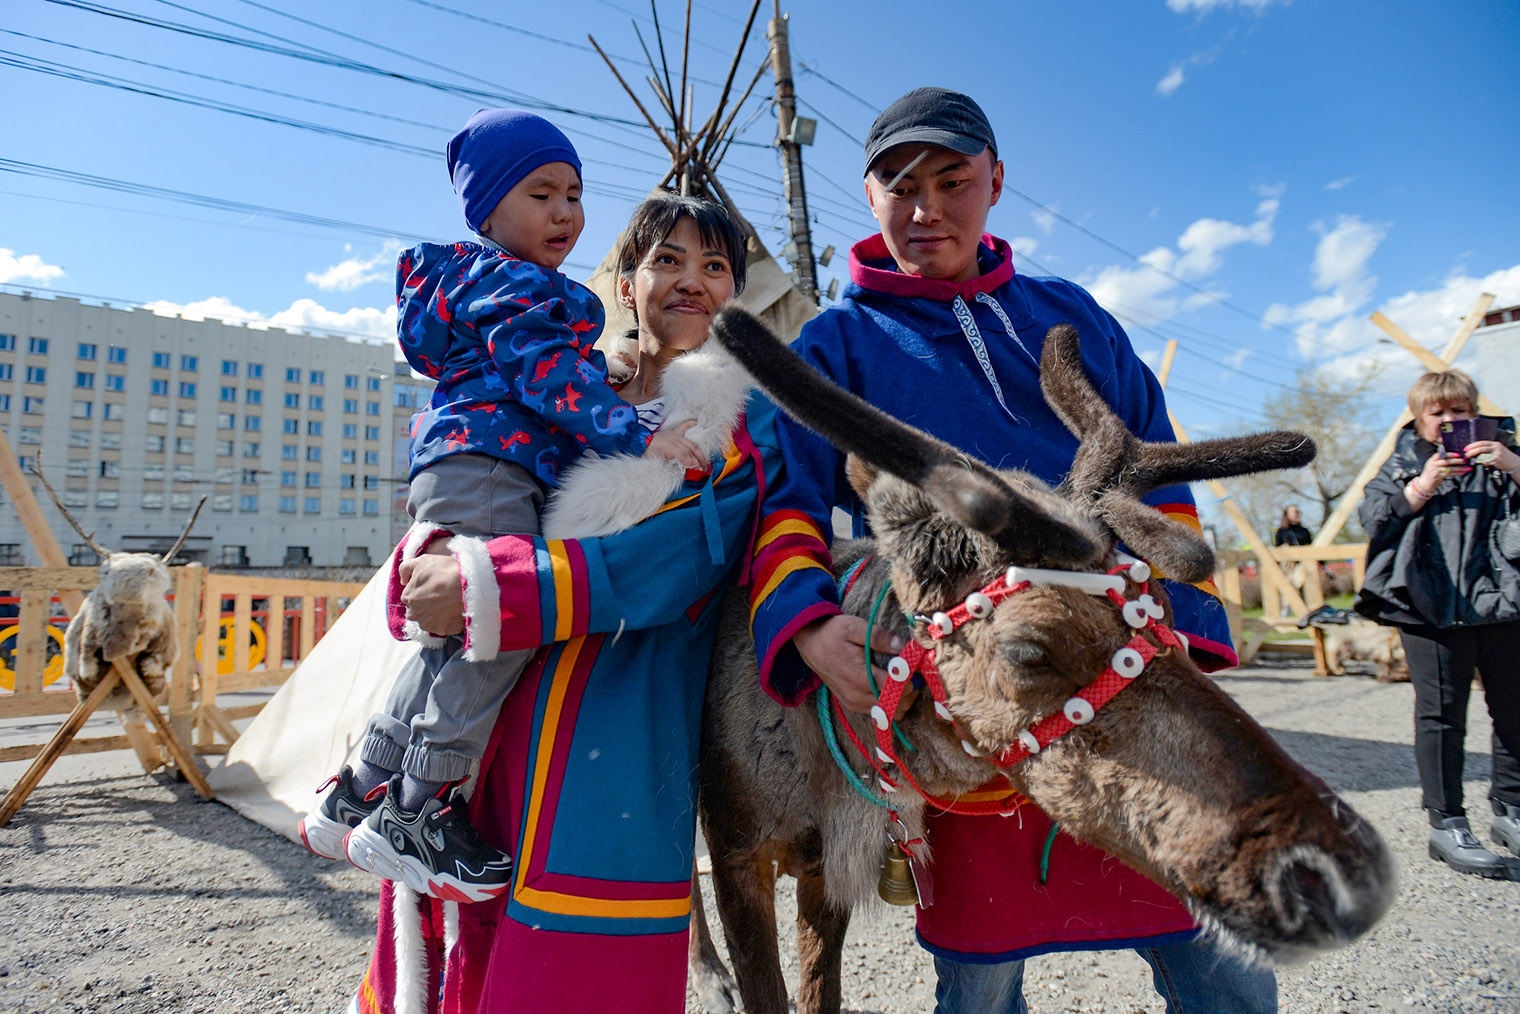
<point x="1196" y="977"/>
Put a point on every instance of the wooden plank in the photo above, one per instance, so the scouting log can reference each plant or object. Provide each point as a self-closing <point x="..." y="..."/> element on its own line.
<point x="219" y="722"/>
<point x="308" y="624"/>
<point x="1229" y="590"/>
<point x="241" y="711"/>
<point x="232" y="584"/>
<point x="1167" y="355"/>
<point x="49" y="578"/>
<point x="49" y="702"/>
<point x="211" y="613"/>
<point x="95" y="744"/>
<point x="19" y="490"/>
<point x="56" y="745"/>
<point x="274" y="632"/>
<point x="143" y="743"/>
<point x="242" y="617"/>
<point x="188" y="584"/>
<point x="1338" y="551"/>
<point x="31" y="641"/>
<point x="1469" y="325"/>
<point x="259" y="679"/>
<point x="177" y="751"/>
<point x="1427" y="358"/>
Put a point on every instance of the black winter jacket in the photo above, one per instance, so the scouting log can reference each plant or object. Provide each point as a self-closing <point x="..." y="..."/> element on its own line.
<point x="1438" y="567"/>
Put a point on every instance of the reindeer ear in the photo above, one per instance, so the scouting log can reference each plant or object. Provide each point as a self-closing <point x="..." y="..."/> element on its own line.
<point x="1177" y="551"/>
<point x="860" y="473"/>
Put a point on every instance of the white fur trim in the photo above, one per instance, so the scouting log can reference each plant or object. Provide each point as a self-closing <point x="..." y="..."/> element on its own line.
<point x="450" y="932"/>
<point x="482" y="598"/>
<point x="411" y="955"/>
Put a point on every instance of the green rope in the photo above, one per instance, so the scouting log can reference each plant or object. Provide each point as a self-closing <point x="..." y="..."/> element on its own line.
<point x="1055" y="829"/>
<point x="832" y="739"/>
<point x="870" y="676"/>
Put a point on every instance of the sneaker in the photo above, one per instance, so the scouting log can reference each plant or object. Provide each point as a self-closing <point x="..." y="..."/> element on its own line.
<point x="1506" y="826"/>
<point x="1454" y="844"/>
<point x="435" y="851"/>
<point x="324" y="828"/>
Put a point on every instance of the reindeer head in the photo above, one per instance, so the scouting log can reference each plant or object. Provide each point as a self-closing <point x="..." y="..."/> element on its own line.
<point x="1171" y="775"/>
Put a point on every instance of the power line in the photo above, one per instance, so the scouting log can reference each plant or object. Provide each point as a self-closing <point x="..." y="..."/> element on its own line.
<point x="808" y="68"/>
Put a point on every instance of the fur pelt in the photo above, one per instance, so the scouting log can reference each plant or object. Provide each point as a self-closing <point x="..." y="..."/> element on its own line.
<point x="599" y="496"/>
<point x="1361" y="640"/>
<point x="124" y="617"/>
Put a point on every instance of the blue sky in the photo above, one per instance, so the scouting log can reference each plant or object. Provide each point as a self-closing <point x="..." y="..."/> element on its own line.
<point x="1250" y="177"/>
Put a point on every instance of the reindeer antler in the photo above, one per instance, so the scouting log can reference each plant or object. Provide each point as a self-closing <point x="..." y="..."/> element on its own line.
<point x="962" y="487"/>
<point x="88" y="537"/>
<point x="1114" y="468"/>
<point x="169" y="556"/>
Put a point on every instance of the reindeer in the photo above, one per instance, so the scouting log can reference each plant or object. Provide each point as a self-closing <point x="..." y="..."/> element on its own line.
<point x="998" y="572"/>
<point x="124" y="616"/>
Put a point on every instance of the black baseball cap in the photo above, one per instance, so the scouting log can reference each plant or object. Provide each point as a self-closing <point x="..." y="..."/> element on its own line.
<point x="934" y="116"/>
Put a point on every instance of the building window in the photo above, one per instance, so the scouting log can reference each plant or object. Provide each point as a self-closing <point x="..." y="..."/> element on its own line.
<point x="371" y="433"/>
<point x="159" y="387"/>
<point x="373" y="384"/>
<point x="10" y="552"/>
<point x="229" y="367"/>
<point x="77" y="468"/>
<point x="372" y="457"/>
<point x="82" y="409"/>
<point x="348" y="456"/>
<point x="86" y="351"/>
<point x="317" y="377"/>
<point x="287" y="505"/>
<point x="184" y="445"/>
<point x="255" y="371"/>
<point x="314" y="428"/>
<point x="292" y="375"/>
<point x="346" y="481"/>
<point x="7" y="344"/>
<point x="314" y="403"/>
<point x="110" y="470"/>
<point x="116" y="354"/>
<point x="152" y="501"/>
<point x="107" y="498"/>
<point x="254" y="396"/>
<point x="154" y="443"/>
<point x="29" y="435"/>
<point x="296" y="556"/>
<point x="287" y="478"/>
<point x="313" y="480"/>
<point x="222" y="502"/>
<point x="228" y="394"/>
<point x="84" y="380"/>
<point x="234" y="556"/>
<point x="225" y="449"/>
<point x="160" y="360"/>
<point x="186" y="389"/>
<point x="31" y="406"/>
<point x="158" y="414"/>
<point x="350" y="431"/>
<point x="251" y="450"/>
<point x="225" y="474"/>
<point x="154" y="471"/>
<point x="188" y="364"/>
<point x="110" y="441"/>
<point x="371" y="408"/>
<point x="350" y="407"/>
<point x="350" y="381"/>
<point x="346" y="505"/>
<point x="78" y="498"/>
<point x="115" y="382"/>
<point x="253" y="423"/>
<point x="371" y="508"/>
<point x="5" y="403"/>
<point x="226" y="421"/>
<point x="183" y="473"/>
<point x="185" y="417"/>
<point x="251" y="476"/>
<point x="313" y="454"/>
<point x="292" y="401"/>
<point x="311" y="505"/>
<point x="179" y="501"/>
<point x="38" y="346"/>
<point x="371" y="482"/>
<point x="113" y="411"/>
<point x="290" y="452"/>
<point x="7" y="371"/>
<point x="36" y="375"/>
<point x="291" y="426"/>
<point x="248" y="502"/>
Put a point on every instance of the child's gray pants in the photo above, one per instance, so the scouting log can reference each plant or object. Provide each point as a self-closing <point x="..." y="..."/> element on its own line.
<point x="442" y="707"/>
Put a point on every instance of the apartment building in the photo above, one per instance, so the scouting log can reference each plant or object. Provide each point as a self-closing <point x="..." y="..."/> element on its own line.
<point x="298" y="441"/>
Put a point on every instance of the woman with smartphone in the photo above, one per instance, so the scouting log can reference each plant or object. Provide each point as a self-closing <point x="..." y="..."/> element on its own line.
<point x="1437" y="568"/>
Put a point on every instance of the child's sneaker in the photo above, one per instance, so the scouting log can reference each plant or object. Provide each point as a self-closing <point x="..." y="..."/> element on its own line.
<point x="324" y="828"/>
<point x="435" y="851"/>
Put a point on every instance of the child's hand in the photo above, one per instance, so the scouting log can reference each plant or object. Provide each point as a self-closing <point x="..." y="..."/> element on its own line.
<point x="1493" y="454"/>
<point x="669" y="442"/>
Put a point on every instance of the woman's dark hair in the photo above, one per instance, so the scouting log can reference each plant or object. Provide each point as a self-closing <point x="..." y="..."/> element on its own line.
<point x="652" y="221"/>
<point x="1285" y="521"/>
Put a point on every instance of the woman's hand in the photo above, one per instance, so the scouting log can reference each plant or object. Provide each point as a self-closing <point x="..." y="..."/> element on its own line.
<point x="1438" y="468"/>
<point x="434" y="593"/>
<point x="1493" y="454"/>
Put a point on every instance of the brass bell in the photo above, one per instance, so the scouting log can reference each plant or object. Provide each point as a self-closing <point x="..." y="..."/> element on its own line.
<point x="895" y="885"/>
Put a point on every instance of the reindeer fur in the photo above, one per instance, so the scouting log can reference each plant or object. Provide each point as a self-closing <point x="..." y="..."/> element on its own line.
<point x="1172" y="777"/>
<point x="124" y="617"/>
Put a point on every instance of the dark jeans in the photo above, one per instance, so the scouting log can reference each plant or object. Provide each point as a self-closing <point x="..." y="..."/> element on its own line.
<point x="1441" y="666"/>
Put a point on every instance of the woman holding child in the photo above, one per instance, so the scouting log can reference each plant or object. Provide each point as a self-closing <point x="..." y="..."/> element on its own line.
<point x="1442" y="568"/>
<point x="589" y="778"/>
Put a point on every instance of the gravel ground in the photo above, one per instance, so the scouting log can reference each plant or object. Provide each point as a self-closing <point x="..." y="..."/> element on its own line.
<point x="125" y="894"/>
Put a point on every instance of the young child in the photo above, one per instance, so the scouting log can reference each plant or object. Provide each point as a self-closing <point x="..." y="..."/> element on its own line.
<point x="520" y="395"/>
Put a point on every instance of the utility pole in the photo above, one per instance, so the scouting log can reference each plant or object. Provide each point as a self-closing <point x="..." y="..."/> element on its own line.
<point x="791" y="151"/>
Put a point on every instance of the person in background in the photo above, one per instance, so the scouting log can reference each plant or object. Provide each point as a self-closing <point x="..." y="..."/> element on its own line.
<point x="1291" y="532"/>
<point x="1442" y="568"/>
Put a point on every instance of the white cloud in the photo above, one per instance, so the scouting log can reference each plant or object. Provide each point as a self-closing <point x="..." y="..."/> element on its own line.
<point x="1150" y="292"/>
<point x="1341" y="272"/>
<point x="1342" y="183"/>
<point x="1024" y="245"/>
<point x="1045" y="220"/>
<point x="345" y="276"/>
<point x="28" y="266"/>
<point x="302" y="315"/>
<point x="1205" y="6"/>
<point x="1171" y="81"/>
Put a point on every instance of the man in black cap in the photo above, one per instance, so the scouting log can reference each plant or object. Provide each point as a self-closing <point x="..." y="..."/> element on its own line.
<point x="938" y="329"/>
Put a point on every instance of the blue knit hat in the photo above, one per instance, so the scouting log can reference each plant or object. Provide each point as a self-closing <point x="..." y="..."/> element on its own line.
<point x="495" y="150"/>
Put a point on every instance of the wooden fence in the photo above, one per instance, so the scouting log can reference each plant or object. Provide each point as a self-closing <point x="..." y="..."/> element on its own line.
<point x="1301" y="564"/>
<point x="228" y="643"/>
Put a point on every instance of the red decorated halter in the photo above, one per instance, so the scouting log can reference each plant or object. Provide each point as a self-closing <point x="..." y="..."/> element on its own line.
<point x="1141" y="614"/>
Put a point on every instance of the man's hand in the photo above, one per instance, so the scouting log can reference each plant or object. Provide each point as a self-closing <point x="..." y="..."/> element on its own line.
<point x="835" y="649"/>
<point x="434" y="592"/>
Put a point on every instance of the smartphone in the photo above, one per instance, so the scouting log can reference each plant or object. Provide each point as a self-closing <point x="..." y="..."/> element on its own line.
<point x="1458" y="433"/>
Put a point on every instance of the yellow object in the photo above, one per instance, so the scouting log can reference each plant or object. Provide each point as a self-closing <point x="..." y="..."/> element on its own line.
<point x="50" y="672"/>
